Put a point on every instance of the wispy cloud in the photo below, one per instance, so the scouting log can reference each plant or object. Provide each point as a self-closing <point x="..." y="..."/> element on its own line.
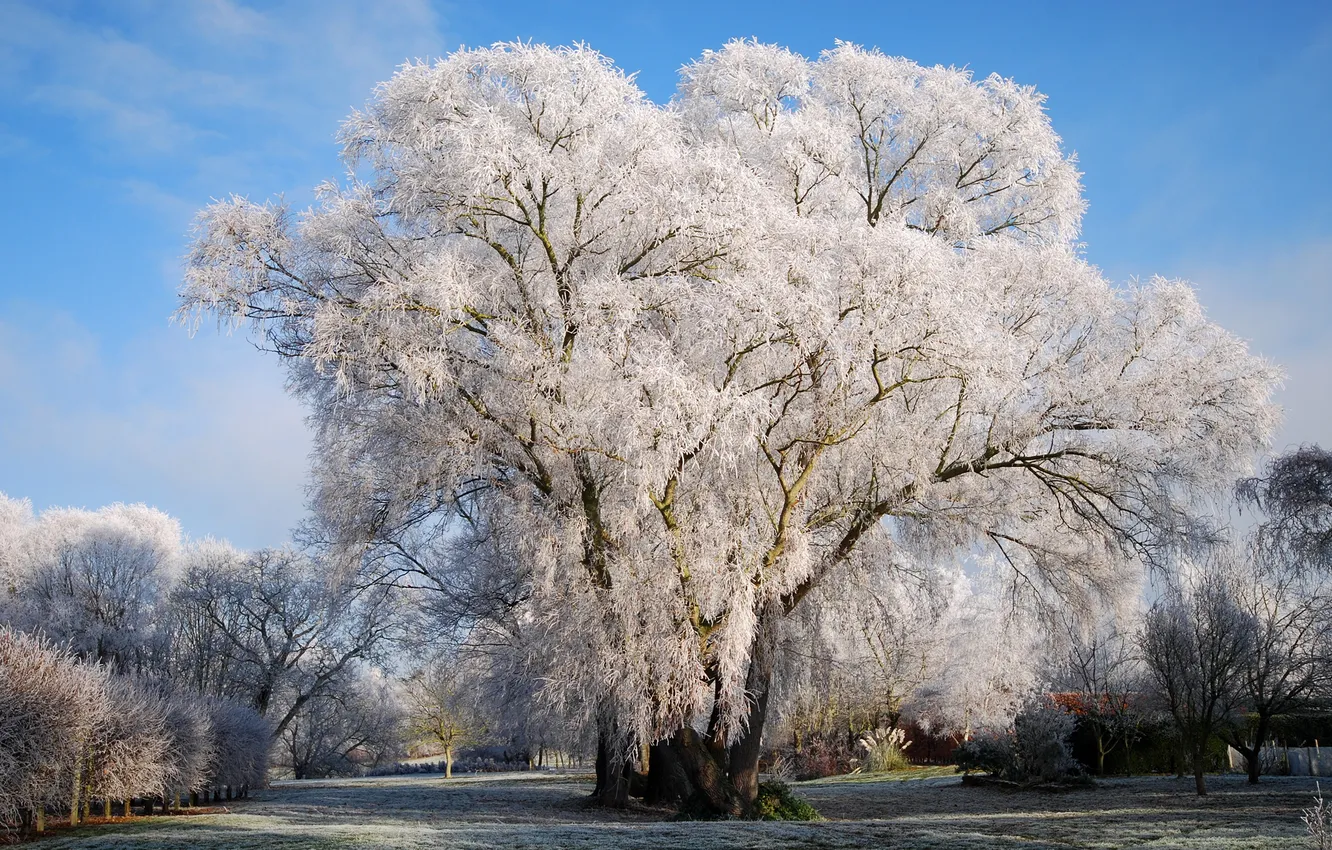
<point x="201" y="428"/>
<point x="167" y="104"/>
<point x="209" y="80"/>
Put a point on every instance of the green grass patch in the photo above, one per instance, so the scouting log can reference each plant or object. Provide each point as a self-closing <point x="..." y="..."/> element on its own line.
<point x="929" y="771"/>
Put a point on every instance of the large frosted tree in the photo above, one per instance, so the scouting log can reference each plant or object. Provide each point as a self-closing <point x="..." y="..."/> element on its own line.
<point x="809" y="318"/>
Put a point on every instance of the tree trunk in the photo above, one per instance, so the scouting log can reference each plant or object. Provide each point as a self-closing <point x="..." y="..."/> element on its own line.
<point x="745" y="752"/>
<point x="77" y="787"/>
<point x="685" y="770"/>
<point x="41" y="817"/>
<point x="667" y="781"/>
<point x="1255" y="761"/>
<point x="612" y="788"/>
<point x="1100" y="749"/>
<point x="448" y="762"/>
<point x="106" y="808"/>
<point x="708" y="775"/>
<point x="1199" y="766"/>
<point x="1252" y="765"/>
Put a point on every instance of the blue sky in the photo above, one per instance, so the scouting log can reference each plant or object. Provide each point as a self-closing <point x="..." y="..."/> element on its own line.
<point x="1203" y="130"/>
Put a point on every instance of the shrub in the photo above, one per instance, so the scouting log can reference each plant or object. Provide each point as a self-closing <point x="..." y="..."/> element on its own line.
<point x="822" y="757"/>
<point x="988" y="752"/>
<point x="130" y="748"/>
<point x="191" y="752"/>
<point x="1041" y="736"/>
<point x="242" y="739"/>
<point x="776" y="802"/>
<point x="885" y="750"/>
<point x="782" y="766"/>
<point x="1036" y="750"/>
<point x="49" y="706"/>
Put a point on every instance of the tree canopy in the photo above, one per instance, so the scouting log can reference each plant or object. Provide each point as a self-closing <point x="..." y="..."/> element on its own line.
<point x="704" y="361"/>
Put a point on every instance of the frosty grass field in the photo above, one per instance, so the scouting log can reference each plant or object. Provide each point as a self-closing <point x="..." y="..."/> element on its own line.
<point x="544" y="810"/>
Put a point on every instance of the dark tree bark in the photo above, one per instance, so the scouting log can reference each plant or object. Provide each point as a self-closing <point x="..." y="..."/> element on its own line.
<point x="712" y="787"/>
<point x="612" y="788"/>
<point x="745" y="752"/>
<point x="707" y="774"/>
<point x="1199" y="768"/>
<point x="1252" y="752"/>
<point x="667" y="782"/>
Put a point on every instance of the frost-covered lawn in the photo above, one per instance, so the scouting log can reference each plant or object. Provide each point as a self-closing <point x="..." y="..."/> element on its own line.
<point x="527" y="810"/>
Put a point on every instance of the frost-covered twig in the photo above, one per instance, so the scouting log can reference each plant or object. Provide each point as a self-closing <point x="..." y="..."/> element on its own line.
<point x="1316" y="821"/>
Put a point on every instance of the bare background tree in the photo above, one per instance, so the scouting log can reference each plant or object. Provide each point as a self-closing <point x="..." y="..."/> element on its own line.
<point x="1295" y="496"/>
<point x="1102" y="670"/>
<point x="1197" y="642"/>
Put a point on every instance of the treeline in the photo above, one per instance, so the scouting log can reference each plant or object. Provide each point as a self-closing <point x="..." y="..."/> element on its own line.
<point x="78" y="739"/>
<point x="149" y="666"/>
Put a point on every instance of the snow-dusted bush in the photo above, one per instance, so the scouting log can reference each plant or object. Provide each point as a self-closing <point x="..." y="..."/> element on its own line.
<point x="242" y="739"/>
<point x="49" y="706"/>
<point x="989" y="752"/>
<point x="1034" y="750"/>
<point x="1041" y="744"/>
<point x="130" y="753"/>
<point x="189" y="729"/>
<point x="71" y="732"/>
